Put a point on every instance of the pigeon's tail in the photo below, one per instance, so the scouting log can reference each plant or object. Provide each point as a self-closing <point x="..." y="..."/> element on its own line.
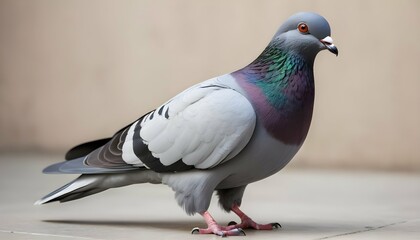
<point x="82" y="186"/>
<point x="88" y="184"/>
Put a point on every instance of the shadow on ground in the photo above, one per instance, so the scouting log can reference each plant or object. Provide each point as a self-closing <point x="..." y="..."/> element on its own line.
<point x="188" y="225"/>
<point x="171" y="225"/>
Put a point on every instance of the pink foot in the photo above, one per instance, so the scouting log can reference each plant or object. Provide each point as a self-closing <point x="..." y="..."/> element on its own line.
<point x="247" y="222"/>
<point x="214" y="228"/>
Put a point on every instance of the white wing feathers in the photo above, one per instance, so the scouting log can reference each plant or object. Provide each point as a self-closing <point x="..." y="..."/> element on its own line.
<point x="205" y="125"/>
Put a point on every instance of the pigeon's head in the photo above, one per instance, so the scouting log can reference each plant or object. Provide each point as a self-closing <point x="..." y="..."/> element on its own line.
<point x="306" y="33"/>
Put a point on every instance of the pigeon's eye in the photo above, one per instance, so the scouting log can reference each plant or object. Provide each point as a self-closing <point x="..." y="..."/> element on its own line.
<point x="303" y="28"/>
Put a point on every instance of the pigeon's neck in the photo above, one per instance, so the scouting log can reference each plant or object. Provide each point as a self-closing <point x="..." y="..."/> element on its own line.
<point x="280" y="86"/>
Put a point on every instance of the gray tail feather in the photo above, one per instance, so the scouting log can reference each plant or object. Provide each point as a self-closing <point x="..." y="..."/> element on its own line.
<point x="88" y="184"/>
<point x="82" y="186"/>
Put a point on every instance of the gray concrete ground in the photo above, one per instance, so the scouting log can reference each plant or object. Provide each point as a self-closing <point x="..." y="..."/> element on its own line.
<point x="310" y="204"/>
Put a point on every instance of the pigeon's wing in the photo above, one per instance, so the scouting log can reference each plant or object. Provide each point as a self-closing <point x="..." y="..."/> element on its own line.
<point x="99" y="156"/>
<point x="201" y="127"/>
<point x="84" y="149"/>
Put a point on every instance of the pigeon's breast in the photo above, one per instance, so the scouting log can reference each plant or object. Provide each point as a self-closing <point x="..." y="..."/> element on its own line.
<point x="262" y="157"/>
<point x="285" y="112"/>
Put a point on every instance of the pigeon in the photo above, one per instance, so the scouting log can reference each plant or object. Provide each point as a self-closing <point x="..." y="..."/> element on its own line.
<point x="217" y="136"/>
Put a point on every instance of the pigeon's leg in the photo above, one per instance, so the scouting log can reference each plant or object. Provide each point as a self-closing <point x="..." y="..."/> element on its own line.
<point x="247" y="222"/>
<point x="214" y="228"/>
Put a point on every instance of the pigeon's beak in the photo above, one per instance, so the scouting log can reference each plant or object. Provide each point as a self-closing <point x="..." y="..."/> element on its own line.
<point x="328" y="42"/>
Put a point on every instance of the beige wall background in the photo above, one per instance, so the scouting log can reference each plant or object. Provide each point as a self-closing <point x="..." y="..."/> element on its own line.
<point x="72" y="71"/>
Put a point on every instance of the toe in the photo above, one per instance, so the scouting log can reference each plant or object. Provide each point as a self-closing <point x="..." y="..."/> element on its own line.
<point x="219" y="231"/>
<point x="235" y="232"/>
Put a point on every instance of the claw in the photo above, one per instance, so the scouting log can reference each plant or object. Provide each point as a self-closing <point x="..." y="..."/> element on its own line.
<point x="195" y="230"/>
<point x="232" y="223"/>
<point x="276" y="225"/>
<point x="241" y="232"/>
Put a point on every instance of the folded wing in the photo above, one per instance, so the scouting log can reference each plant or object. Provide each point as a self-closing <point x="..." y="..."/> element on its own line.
<point x="202" y="127"/>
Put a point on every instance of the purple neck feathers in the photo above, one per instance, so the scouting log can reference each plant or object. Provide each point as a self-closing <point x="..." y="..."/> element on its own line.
<point x="281" y="89"/>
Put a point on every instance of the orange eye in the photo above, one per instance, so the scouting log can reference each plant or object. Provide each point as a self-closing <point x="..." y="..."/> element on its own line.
<point x="303" y="28"/>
